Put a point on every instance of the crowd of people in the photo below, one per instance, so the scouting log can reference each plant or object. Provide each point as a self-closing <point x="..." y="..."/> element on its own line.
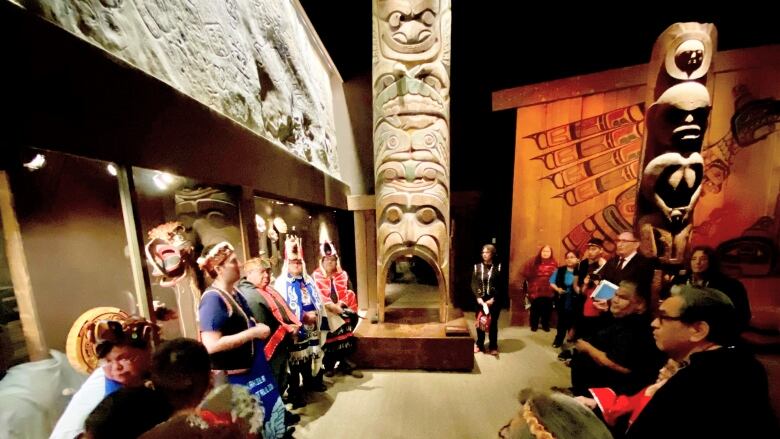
<point x="634" y="373"/>
<point x="679" y="371"/>
<point x="260" y="347"/>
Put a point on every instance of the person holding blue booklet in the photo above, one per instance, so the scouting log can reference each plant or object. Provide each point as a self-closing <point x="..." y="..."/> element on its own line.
<point x="604" y="291"/>
<point x="622" y="355"/>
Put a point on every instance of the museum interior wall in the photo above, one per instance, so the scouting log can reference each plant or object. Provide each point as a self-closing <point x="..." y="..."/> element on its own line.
<point x="577" y="160"/>
<point x="242" y="137"/>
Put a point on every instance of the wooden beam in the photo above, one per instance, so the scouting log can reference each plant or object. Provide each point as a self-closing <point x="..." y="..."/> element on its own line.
<point x="573" y="87"/>
<point x="246" y="217"/>
<point x="361" y="202"/>
<point x="611" y="80"/>
<point x="20" y="275"/>
<point x="141" y="279"/>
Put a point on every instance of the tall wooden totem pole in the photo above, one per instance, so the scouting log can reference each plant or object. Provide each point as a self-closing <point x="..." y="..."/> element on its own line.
<point x="678" y="106"/>
<point x="411" y="82"/>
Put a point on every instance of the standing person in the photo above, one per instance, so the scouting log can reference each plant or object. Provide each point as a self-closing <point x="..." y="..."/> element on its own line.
<point x="301" y="294"/>
<point x="341" y="306"/>
<point x="233" y="339"/>
<point x="124" y="348"/>
<point x="486" y="284"/>
<point x="269" y="308"/>
<point x="589" y="319"/>
<point x="562" y="282"/>
<point x="537" y="273"/>
<point x="593" y="260"/>
<point x="628" y="264"/>
<point x="704" y="270"/>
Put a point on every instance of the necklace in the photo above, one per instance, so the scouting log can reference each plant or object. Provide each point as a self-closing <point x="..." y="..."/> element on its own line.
<point x="485" y="286"/>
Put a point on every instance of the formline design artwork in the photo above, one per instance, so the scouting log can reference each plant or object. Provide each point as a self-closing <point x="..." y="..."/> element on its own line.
<point x="250" y="60"/>
<point x="576" y="160"/>
<point x="411" y="81"/>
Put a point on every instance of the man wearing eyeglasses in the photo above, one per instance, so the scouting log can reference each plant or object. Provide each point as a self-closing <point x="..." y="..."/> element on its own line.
<point x="628" y="264"/>
<point x="717" y="391"/>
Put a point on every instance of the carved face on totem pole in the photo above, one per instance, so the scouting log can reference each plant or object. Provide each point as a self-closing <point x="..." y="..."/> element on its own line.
<point x="409" y="29"/>
<point x="411" y="130"/>
<point x="673" y="167"/>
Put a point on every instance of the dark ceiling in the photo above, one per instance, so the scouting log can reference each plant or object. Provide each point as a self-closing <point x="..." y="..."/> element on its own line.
<point x="497" y="45"/>
<point x="509" y="45"/>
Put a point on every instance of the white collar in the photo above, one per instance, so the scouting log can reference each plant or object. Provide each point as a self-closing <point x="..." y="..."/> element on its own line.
<point x="627" y="259"/>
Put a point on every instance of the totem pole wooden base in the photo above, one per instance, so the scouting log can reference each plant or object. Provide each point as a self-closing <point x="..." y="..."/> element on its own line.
<point x="411" y="338"/>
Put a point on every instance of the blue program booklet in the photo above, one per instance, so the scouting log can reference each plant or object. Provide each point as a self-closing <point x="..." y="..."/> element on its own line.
<point x="604" y="291"/>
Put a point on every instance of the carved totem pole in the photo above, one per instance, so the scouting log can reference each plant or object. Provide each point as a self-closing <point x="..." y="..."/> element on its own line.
<point x="678" y="106"/>
<point x="411" y="81"/>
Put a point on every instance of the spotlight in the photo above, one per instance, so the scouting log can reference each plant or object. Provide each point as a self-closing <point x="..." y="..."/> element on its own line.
<point x="163" y="180"/>
<point x="111" y="169"/>
<point x="159" y="181"/>
<point x="36" y="163"/>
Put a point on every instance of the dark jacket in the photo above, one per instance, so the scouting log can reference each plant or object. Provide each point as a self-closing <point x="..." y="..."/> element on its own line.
<point x="638" y="270"/>
<point x="721" y="394"/>
<point x="487" y="283"/>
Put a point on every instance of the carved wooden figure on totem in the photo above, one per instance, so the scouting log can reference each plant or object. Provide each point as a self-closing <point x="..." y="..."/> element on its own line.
<point x="411" y="58"/>
<point x="679" y="104"/>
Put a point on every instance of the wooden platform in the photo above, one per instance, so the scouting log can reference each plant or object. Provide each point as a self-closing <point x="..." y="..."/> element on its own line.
<point x="412" y="338"/>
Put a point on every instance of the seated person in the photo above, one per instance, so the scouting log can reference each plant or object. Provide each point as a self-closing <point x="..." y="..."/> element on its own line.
<point x="704" y="270"/>
<point x="623" y="355"/>
<point x="556" y="415"/>
<point x="181" y="371"/>
<point x="127" y="413"/>
<point x="228" y="411"/>
<point x="715" y="390"/>
<point x="124" y="348"/>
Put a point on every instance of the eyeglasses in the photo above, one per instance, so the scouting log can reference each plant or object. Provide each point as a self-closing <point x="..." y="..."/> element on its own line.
<point x="627" y="240"/>
<point x="664" y="318"/>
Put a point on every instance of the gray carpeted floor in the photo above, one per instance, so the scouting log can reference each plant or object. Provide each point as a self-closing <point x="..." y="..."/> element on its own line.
<point x="418" y="404"/>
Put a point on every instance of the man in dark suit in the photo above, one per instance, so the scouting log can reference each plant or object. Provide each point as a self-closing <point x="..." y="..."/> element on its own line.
<point x="628" y="264"/>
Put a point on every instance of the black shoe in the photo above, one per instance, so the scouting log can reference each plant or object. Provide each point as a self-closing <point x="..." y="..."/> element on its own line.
<point x="316" y="386"/>
<point x="556" y="345"/>
<point x="546" y="329"/>
<point x="288" y="434"/>
<point x="297" y="402"/>
<point x="533" y="329"/>
<point x="291" y="418"/>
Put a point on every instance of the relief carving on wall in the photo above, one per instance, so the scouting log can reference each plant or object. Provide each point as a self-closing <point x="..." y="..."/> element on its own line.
<point x="676" y="120"/>
<point x="251" y="60"/>
<point x="411" y="61"/>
